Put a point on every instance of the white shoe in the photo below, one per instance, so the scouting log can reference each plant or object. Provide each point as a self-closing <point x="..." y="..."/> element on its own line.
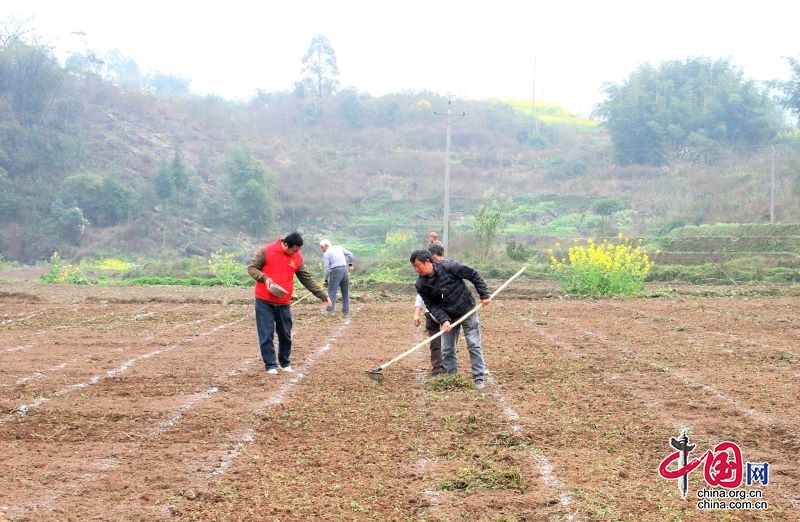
<point x="287" y="369"/>
<point x="272" y="371"/>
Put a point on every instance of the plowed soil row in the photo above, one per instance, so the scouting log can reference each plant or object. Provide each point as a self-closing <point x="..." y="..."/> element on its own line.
<point x="121" y="403"/>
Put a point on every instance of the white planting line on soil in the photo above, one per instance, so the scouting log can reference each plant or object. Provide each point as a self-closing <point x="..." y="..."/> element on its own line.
<point x="110" y="464"/>
<point x="241" y="441"/>
<point x="39" y="374"/>
<point x="247" y="435"/>
<point x="545" y="468"/>
<point x="672" y="374"/>
<point x="760" y="416"/>
<point x="750" y="412"/>
<point x="686" y="381"/>
<point x="75" y="326"/>
<point x="22" y="409"/>
<point x="20" y="319"/>
<point x="20" y="348"/>
<point x="187" y="406"/>
<point x="756" y="415"/>
<point x="194" y="400"/>
<point x="423" y="463"/>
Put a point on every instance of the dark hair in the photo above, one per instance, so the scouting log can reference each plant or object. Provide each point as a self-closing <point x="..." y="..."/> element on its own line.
<point x="436" y="249"/>
<point x="420" y="255"/>
<point x="293" y="240"/>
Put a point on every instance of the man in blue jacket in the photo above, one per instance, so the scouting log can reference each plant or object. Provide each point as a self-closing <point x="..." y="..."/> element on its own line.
<point x="448" y="298"/>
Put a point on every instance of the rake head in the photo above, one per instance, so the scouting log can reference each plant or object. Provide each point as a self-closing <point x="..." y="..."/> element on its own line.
<point x="376" y="374"/>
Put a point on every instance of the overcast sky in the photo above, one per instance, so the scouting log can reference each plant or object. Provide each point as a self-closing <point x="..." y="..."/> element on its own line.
<point x="559" y="51"/>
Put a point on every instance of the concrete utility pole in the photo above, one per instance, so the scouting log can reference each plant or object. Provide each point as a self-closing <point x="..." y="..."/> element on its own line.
<point x="535" y="122"/>
<point x="772" y="188"/>
<point x="446" y="227"/>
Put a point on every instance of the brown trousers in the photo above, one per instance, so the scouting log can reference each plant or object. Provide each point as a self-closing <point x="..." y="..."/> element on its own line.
<point x="432" y="327"/>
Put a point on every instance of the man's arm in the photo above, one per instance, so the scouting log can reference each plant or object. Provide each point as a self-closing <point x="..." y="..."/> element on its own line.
<point x="438" y="313"/>
<point x="255" y="265"/>
<point x="474" y="277"/>
<point x="326" y="264"/>
<point x="419" y="305"/>
<point x="307" y="280"/>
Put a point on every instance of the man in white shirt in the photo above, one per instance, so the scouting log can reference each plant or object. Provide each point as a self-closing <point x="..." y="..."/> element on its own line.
<point x="337" y="262"/>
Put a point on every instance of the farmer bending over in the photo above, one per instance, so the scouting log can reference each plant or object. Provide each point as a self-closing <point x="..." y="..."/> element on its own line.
<point x="446" y="296"/>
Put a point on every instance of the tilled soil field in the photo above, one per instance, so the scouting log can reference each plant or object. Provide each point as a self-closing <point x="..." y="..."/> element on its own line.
<point x="151" y="403"/>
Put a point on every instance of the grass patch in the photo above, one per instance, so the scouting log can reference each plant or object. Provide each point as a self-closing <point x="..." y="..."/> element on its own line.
<point x="514" y="441"/>
<point x="463" y="423"/>
<point x="486" y="477"/>
<point x="445" y="383"/>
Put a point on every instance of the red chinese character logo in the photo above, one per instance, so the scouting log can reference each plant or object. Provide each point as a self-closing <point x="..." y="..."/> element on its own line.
<point x="723" y="464"/>
<point x="719" y="471"/>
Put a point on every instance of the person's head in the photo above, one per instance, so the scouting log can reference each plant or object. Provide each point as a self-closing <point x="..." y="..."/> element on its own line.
<point x="292" y="243"/>
<point x="433" y="237"/>
<point x="324" y="245"/>
<point x="422" y="262"/>
<point x="436" y="250"/>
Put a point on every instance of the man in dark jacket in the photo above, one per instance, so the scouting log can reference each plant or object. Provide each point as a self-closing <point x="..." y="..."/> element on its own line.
<point x="448" y="298"/>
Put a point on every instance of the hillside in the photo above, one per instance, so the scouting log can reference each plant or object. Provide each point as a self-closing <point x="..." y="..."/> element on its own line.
<point x="364" y="170"/>
<point x="362" y="183"/>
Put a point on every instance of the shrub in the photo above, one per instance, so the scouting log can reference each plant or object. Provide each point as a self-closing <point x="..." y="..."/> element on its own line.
<point x="225" y="268"/>
<point x="63" y="273"/>
<point x="602" y="269"/>
<point x="518" y="251"/>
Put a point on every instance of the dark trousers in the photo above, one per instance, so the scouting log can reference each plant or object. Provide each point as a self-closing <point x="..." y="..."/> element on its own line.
<point x="339" y="279"/>
<point x="432" y="328"/>
<point x="272" y="318"/>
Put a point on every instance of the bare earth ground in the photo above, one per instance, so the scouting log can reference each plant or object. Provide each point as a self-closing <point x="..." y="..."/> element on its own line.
<point x="151" y="403"/>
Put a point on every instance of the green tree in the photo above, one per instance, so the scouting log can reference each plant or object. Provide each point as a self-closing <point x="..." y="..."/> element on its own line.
<point x="70" y="222"/>
<point x="122" y="71"/>
<point x="116" y="203"/>
<point x="9" y="205"/>
<point x="86" y="65"/>
<point x="352" y="108"/>
<point x="791" y="88"/>
<point x="172" y="181"/>
<point x="34" y="115"/>
<point x="320" y="68"/>
<point x="684" y="110"/>
<point x="180" y="175"/>
<point x="30" y="78"/>
<point x="14" y="29"/>
<point x="252" y="188"/>
<point x="104" y="202"/>
<point x="489" y="222"/>
<point x="605" y="207"/>
<point x="167" y="84"/>
<point x="164" y="183"/>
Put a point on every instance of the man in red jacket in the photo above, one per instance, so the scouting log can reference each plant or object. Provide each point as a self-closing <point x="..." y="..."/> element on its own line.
<point x="277" y="263"/>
